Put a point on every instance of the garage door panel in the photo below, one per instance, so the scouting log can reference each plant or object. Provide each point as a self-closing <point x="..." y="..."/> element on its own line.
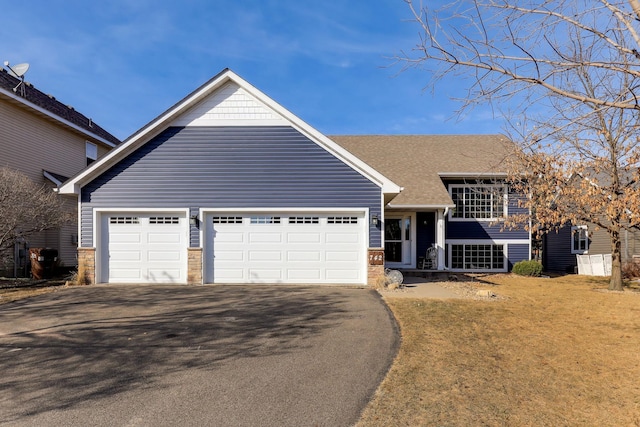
<point x="229" y="274"/>
<point x="345" y="237"/>
<point x="163" y="256"/>
<point x="144" y="248"/>
<point x="304" y="275"/>
<point x="346" y="275"/>
<point x="304" y="237"/>
<point x="262" y="237"/>
<point x="229" y="256"/>
<point x="124" y="238"/>
<point x="342" y="256"/>
<point x="125" y="256"/>
<point x="265" y="275"/>
<point x="123" y="273"/>
<point x="163" y="275"/>
<point x="265" y="256"/>
<point x="294" y="248"/>
<point x="303" y="256"/>
<point x="164" y="238"/>
<point x="226" y="236"/>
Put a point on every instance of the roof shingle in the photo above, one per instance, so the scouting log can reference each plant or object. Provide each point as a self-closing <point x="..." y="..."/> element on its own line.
<point x="418" y="162"/>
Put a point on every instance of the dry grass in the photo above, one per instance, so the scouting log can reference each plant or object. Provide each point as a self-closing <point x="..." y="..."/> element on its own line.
<point x="14" y="294"/>
<point x="554" y="352"/>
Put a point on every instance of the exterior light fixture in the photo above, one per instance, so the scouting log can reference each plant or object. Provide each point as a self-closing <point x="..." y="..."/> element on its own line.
<point x="194" y="220"/>
<point x="374" y="220"/>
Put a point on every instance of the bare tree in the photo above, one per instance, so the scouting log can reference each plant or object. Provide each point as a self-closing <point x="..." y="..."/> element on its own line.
<point x="566" y="74"/>
<point x="26" y="208"/>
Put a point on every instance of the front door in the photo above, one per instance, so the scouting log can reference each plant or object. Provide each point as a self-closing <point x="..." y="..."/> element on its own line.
<point x="397" y="241"/>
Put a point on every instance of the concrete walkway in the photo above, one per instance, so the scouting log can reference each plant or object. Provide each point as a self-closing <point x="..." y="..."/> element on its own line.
<point x="417" y="287"/>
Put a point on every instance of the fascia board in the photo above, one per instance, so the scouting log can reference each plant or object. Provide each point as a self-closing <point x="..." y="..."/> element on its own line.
<point x="472" y="174"/>
<point x="450" y="206"/>
<point x="52" y="116"/>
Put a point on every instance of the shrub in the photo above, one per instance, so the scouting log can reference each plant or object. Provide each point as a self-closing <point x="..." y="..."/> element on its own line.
<point x="631" y="270"/>
<point x="527" y="268"/>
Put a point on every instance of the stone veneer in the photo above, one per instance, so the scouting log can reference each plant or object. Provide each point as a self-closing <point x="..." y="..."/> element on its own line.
<point x="194" y="266"/>
<point x="87" y="262"/>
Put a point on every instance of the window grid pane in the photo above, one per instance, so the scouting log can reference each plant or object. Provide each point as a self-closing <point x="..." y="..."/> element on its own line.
<point x="477" y="257"/>
<point x="478" y="202"/>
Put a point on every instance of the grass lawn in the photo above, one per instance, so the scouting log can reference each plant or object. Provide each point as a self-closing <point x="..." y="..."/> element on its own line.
<point x="552" y="352"/>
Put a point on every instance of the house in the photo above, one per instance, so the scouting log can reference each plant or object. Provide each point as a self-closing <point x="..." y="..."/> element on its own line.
<point x="48" y="142"/>
<point x="454" y="199"/>
<point x="227" y="186"/>
<point x="561" y="247"/>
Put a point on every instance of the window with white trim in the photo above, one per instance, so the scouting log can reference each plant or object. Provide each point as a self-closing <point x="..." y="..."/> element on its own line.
<point x="478" y="202"/>
<point x="478" y="257"/>
<point x="91" y="152"/>
<point x="579" y="239"/>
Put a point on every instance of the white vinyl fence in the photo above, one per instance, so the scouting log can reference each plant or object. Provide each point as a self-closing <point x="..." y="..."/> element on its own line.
<point x="594" y="265"/>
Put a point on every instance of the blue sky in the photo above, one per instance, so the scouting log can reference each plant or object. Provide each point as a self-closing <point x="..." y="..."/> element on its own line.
<point x="329" y="62"/>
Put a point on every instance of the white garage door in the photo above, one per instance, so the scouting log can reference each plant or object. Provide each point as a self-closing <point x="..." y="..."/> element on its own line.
<point x="144" y="248"/>
<point x="286" y="248"/>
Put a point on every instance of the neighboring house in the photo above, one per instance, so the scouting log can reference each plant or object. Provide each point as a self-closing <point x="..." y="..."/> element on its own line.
<point x="454" y="199"/>
<point x="48" y="142"/>
<point x="227" y="186"/>
<point x="559" y="248"/>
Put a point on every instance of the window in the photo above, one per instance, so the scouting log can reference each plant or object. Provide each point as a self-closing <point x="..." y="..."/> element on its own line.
<point x="342" y="220"/>
<point x="477" y="257"/>
<point x="91" y="151"/>
<point x="164" y="220"/>
<point x="227" y="220"/>
<point x="480" y="202"/>
<point x="124" y="220"/>
<point x="304" y="220"/>
<point x="579" y="239"/>
<point x="265" y="220"/>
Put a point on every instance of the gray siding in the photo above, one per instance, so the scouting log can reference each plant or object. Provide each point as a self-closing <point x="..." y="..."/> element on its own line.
<point x="229" y="167"/>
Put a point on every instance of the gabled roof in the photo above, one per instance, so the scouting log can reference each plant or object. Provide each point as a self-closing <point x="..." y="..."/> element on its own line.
<point x="164" y="120"/>
<point x="420" y="162"/>
<point x="47" y="105"/>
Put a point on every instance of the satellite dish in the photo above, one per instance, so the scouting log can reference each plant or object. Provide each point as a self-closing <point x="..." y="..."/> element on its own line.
<point x="17" y="71"/>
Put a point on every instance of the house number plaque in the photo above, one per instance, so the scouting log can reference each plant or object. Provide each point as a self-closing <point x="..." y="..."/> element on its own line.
<point x="376" y="257"/>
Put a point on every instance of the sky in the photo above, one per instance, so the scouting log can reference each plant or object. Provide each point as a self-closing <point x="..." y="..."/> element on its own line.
<point x="329" y="62"/>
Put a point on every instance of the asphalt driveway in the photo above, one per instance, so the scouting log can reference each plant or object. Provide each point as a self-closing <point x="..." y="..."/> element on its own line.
<point x="140" y="355"/>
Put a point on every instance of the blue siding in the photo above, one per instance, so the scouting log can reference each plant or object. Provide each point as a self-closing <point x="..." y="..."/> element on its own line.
<point x="230" y="167"/>
<point x="556" y="251"/>
<point x="488" y="230"/>
<point x="517" y="253"/>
